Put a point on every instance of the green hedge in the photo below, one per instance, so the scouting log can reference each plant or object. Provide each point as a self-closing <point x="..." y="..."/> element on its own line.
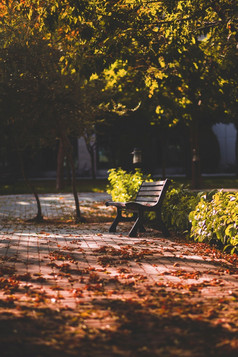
<point x="205" y="217"/>
<point x="179" y="202"/>
<point x="215" y="219"/>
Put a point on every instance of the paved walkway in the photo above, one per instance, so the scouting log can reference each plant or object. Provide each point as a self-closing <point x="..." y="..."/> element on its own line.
<point x="53" y="205"/>
<point x="65" y="266"/>
<point x="30" y="248"/>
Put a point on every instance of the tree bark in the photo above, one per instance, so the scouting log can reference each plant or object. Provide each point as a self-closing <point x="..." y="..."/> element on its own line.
<point x="91" y="149"/>
<point x="92" y="157"/>
<point x="164" y="141"/>
<point x="39" y="216"/>
<point x="237" y="150"/>
<point x="195" y="157"/>
<point x="60" y="167"/>
<point x="68" y="151"/>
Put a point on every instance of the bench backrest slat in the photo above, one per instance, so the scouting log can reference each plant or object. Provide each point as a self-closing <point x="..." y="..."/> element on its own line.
<point x="147" y="199"/>
<point x="152" y="192"/>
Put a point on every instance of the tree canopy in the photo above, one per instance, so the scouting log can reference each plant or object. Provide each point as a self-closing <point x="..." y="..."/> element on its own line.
<point x="179" y="57"/>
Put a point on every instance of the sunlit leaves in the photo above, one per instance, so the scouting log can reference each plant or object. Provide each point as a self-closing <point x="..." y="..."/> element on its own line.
<point x="115" y="73"/>
<point x="123" y="185"/>
<point x="216" y="219"/>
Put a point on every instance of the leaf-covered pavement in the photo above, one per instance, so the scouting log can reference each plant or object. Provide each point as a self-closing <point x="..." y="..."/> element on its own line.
<point x="76" y="290"/>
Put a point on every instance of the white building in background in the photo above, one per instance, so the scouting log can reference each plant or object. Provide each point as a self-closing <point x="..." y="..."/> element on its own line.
<point x="226" y="135"/>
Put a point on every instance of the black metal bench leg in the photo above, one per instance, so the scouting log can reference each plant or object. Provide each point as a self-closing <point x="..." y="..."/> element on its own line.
<point x="138" y="225"/>
<point x="133" y="231"/>
<point x="141" y="227"/>
<point x="161" y="224"/>
<point x="116" y="221"/>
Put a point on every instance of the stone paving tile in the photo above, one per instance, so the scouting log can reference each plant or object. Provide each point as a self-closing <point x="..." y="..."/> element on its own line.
<point x="53" y="205"/>
<point x="48" y="254"/>
<point x="67" y="265"/>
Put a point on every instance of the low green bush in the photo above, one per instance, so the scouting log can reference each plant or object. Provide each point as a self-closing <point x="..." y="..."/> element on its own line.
<point x="179" y="202"/>
<point x="124" y="185"/>
<point x="215" y="219"/>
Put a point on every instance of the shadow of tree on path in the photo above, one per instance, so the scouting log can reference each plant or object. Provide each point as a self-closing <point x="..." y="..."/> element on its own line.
<point x="122" y="314"/>
<point x="146" y="328"/>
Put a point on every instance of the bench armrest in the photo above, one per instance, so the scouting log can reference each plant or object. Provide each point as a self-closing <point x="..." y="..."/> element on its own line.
<point x="116" y="204"/>
<point x="134" y="206"/>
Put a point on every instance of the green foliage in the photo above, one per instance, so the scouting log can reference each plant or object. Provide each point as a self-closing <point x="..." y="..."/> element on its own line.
<point x="178" y="204"/>
<point x="124" y="185"/>
<point x="215" y="219"/>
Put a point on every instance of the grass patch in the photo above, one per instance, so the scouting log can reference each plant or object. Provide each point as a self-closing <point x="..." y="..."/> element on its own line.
<point x="225" y="182"/>
<point x="49" y="186"/>
<point x="99" y="185"/>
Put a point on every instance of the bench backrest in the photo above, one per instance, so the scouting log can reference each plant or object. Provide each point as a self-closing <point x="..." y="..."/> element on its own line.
<point x="152" y="193"/>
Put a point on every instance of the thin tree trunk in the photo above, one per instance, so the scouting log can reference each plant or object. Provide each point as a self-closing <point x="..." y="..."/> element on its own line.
<point x="68" y="172"/>
<point x="68" y="150"/>
<point x="195" y="157"/>
<point x="92" y="157"/>
<point x="164" y="152"/>
<point x="60" y="167"/>
<point x="39" y="216"/>
<point x="237" y="150"/>
<point x="91" y="150"/>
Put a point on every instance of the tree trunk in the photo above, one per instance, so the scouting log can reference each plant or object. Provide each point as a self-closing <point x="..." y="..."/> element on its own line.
<point x="237" y="150"/>
<point x="39" y="216"/>
<point x="60" y="167"/>
<point x="92" y="157"/>
<point x="90" y="144"/>
<point x="195" y="158"/>
<point x="68" y="172"/>
<point x="164" y="141"/>
<point x="68" y="151"/>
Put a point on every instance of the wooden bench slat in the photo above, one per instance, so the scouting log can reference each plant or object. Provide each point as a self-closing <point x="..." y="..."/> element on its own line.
<point x="153" y="183"/>
<point x="151" y="187"/>
<point x="149" y="193"/>
<point x="156" y="190"/>
<point x="146" y="199"/>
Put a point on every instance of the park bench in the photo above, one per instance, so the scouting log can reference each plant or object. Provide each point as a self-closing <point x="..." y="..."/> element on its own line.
<point x="149" y="198"/>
